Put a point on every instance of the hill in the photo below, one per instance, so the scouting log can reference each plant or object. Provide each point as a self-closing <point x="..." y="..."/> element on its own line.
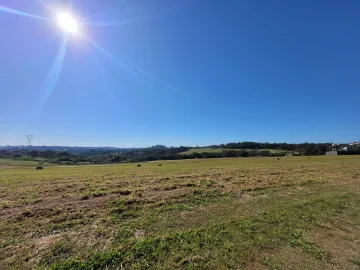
<point x="219" y="150"/>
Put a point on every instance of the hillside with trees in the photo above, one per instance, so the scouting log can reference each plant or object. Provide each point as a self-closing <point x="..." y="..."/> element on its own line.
<point x="105" y="155"/>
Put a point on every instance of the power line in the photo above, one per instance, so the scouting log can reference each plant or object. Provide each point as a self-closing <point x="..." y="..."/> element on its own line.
<point x="29" y="139"/>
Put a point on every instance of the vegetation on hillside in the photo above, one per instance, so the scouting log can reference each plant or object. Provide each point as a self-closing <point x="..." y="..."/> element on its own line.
<point x="160" y="152"/>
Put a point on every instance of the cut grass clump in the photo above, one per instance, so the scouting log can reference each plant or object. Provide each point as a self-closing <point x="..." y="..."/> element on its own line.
<point x="125" y="209"/>
<point x="189" y="202"/>
<point x="171" y="187"/>
<point x="98" y="194"/>
<point x="270" y="263"/>
<point x="61" y="250"/>
<point x="85" y="197"/>
<point x="123" y="192"/>
<point x="356" y="261"/>
<point x="190" y="184"/>
<point x="207" y="183"/>
<point x="4" y="205"/>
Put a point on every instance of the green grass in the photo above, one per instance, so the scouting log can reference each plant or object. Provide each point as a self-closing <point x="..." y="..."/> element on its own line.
<point x="356" y="261"/>
<point x="19" y="162"/>
<point x="187" y="214"/>
<point x="228" y="242"/>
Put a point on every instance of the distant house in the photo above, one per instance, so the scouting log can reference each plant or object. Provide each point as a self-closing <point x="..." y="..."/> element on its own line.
<point x="335" y="147"/>
<point x="331" y="153"/>
<point x="347" y="148"/>
<point x="354" y="143"/>
<point x="290" y="154"/>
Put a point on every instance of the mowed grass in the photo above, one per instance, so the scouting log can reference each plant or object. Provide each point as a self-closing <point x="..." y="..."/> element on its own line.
<point x="239" y="213"/>
<point x="219" y="150"/>
<point x="13" y="162"/>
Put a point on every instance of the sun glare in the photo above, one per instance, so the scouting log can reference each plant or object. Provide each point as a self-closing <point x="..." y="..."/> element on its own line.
<point x="67" y="23"/>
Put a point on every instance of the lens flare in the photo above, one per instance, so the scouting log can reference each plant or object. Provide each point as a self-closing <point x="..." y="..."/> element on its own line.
<point x="102" y="50"/>
<point x="18" y="12"/>
<point x="55" y="72"/>
<point x="67" y="23"/>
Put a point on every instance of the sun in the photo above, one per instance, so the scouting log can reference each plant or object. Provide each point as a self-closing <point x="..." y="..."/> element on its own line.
<point x="67" y="23"/>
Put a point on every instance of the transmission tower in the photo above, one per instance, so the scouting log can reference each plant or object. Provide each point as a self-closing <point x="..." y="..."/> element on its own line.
<point x="29" y="139"/>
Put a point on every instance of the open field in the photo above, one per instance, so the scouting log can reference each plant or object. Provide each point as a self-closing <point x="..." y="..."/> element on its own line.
<point x="6" y="163"/>
<point x="219" y="150"/>
<point x="11" y="162"/>
<point x="240" y="213"/>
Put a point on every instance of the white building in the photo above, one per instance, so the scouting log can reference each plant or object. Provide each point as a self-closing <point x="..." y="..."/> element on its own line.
<point x="355" y="143"/>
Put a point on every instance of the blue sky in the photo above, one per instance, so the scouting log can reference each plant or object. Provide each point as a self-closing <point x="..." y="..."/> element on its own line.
<point x="211" y="72"/>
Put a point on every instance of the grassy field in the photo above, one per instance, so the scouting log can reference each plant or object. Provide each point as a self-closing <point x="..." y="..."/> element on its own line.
<point x="12" y="162"/>
<point x="219" y="150"/>
<point x="241" y="213"/>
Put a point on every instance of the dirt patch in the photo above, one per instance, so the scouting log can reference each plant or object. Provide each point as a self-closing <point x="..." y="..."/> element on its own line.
<point x="342" y="244"/>
<point x="289" y="258"/>
<point x="139" y="234"/>
<point x="44" y="243"/>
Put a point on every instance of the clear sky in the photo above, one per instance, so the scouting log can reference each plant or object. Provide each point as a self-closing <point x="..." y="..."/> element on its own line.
<point x="181" y="72"/>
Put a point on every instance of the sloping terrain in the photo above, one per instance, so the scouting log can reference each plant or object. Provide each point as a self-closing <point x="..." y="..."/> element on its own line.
<point x="254" y="213"/>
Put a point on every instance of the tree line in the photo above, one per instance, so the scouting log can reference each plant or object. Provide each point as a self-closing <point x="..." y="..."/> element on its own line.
<point x="303" y="148"/>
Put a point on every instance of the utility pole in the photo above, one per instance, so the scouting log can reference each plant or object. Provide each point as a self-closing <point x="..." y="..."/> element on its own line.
<point x="29" y="139"/>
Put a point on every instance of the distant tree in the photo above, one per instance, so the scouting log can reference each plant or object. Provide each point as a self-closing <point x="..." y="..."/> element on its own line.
<point x="34" y="153"/>
<point x="64" y="154"/>
<point x="243" y="153"/>
<point x="265" y="153"/>
<point x="63" y="159"/>
<point x="230" y="153"/>
<point x="159" y="146"/>
<point x="48" y="154"/>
